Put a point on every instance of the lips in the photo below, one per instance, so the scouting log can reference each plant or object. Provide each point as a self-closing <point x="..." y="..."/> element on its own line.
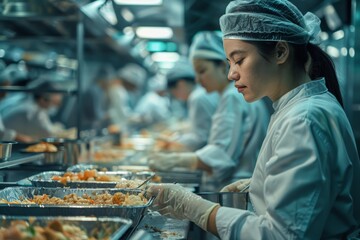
<point x="240" y="88"/>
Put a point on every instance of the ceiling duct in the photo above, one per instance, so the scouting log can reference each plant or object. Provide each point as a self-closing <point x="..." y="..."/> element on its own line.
<point x="27" y="8"/>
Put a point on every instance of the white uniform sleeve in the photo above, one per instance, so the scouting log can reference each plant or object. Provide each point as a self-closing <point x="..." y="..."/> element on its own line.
<point x="6" y="134"/>
<point x="297" y="189"/>
<point x="200" y="114"/>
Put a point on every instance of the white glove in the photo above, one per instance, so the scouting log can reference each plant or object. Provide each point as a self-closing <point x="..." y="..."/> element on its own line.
<point x="177" y="202"/>
<point x="237" y="186"/>
<point x="167" y="161"/>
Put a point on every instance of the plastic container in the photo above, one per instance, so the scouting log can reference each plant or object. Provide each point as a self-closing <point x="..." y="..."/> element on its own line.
<point x="5" y="149"/>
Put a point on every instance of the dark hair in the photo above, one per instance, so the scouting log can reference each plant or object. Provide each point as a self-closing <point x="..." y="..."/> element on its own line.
<point x="322" y="64"/>
<point x="171" y="83"/>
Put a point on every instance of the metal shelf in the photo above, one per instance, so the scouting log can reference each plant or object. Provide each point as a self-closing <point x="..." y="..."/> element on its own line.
<point x="23" y="89"/>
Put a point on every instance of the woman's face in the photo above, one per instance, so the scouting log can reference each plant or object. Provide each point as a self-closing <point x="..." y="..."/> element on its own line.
<point x="254" y="76"/>
<point x="209" y="75"/>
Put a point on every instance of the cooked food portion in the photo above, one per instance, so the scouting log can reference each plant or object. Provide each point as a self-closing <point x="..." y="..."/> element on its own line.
<point x="42" y="147"/>
<point x="107" y="155"/>
<point x="164" y="145"/>
<point x="86" y="175"/>
<point x="119" y="198"/>
<point x="54" y="230"/>
<point x="129" y="183"/>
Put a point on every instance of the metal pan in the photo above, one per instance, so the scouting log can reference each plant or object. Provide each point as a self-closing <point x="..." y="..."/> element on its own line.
<point x="98" y="228"/>
<point x="44" y="179"/>
<point x="135" y="213"/>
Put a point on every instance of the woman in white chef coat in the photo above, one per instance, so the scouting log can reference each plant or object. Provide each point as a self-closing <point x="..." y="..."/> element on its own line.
<point x="201" y="105"/>
<point x="305" y="183"/>
<point x="153" y="107"/>
<point x="31" y="118"/>
<point x="237" y="128"/>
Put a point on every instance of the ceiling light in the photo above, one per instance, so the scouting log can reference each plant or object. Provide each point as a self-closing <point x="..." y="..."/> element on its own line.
<point x="338" y="35"/>
<point x="138" y="2"/>
<point x="154" y="32"/>
<point x="127" y="14"/>
<point x="165" y="57"/>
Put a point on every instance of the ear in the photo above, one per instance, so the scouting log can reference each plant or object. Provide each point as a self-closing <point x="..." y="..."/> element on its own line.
<point x="282" y="52"/>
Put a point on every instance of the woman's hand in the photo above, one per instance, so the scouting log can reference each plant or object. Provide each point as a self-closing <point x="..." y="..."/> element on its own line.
<point x="177" y="202"/>
<point x="241" y="185"/>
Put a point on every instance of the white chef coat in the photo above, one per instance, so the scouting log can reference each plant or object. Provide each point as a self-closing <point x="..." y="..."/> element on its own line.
<point x="152" y="108"/>
<point x="237" y="131"/>
<point x="119" y="109"/>
<point x="29" y="119"/>
<point x="305" y="179"/>
<point x="201" y="106"/>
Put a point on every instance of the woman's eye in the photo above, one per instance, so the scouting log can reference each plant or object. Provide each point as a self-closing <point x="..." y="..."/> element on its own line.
<point x="239" y="62"/>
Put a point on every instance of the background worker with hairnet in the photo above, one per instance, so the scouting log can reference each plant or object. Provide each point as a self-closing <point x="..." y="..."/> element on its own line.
<point x="124" y="94"/>
<point x="306" y="181"/>
<point x="200" y="105"/>
<point x="153" y="107"/>
<point x="31" y="117"/>
<point x="237" y="128"/>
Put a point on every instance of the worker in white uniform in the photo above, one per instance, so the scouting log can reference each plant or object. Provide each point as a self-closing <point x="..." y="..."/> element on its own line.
<point x="200" y="105"/>
<point x="124" y="92"/>
<point x="153" y="107"/>
<point x="237" y="130"/>
<point x="306" y="181"/>
<point x="31" y="117"/>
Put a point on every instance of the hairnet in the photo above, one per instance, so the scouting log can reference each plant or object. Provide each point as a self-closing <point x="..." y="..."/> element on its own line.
<point x="207" y="45"/>
<point x="157" y="83"/>
<point x="264" y="20"/>
<point x="183" y="69"/>
<point x="106" y="73"/>
<point x="133" y="74"/>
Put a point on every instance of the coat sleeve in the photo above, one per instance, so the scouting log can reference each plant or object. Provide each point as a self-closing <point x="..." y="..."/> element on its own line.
<point x="296" y="189"/>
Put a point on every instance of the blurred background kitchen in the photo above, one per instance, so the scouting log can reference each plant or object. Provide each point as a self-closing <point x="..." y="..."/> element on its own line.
<point x="81" y="74"/>
<point x="71" y="42"/>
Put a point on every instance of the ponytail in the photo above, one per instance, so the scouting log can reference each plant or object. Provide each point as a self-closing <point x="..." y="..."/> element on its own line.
<point x="323" y="66"/>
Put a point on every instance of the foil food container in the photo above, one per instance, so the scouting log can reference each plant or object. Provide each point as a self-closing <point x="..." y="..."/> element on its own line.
<point x="44" y="179"/>
<point x="135" y="213"/>
<point x="112" y="228"/>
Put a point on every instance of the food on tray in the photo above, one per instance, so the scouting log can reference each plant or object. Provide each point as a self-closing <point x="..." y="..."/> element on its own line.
<point x="156" y="179"/>
<point x="108" y="155"/>
<point x="42" y="147"/>
<point x="52" y="230"/>
<point x="164" y="145"/>
<point x="86" y="175"/>
<point x="129" y="183"/>
<point x="119" y="198"/>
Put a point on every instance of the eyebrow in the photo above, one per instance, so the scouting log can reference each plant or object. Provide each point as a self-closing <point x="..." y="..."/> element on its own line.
<point x="235" y="52"/>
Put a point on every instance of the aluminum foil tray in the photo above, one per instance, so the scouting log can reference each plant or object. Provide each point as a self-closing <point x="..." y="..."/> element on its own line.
<point x="99" y="228"/>
<point x="44" y="179"/>
<point x="135" y="213"/>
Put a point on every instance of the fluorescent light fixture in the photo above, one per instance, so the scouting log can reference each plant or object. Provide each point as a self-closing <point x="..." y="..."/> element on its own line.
<point x="333" y="51"/>
<point x="352" y="52"/>
<point x="338" y="35"/>
<point x="344" y="51"/>
<point x="138" y="2"/>
<point x="127" y="14"/>
<point x="154" y="32"/>
<point x="324" y="36"/>
<point x="165" y="57"/>
<point x="166" y="65"/>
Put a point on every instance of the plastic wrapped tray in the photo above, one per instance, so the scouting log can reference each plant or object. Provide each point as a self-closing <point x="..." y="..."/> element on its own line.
<point x="135" y="213"/>
<point x="44" y="179"/>
<point x="110" y="228"/>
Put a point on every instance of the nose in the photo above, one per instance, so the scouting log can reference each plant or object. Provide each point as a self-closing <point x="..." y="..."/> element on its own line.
<point x="233" y="75"/>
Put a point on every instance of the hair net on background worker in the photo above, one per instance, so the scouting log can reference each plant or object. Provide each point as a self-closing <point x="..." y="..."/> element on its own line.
<point x="276" y="20"/>
<point x="106" y="73"/>
<point x="207" y="45"/>
<point x="183" y="69"/>
<point x="157" y="83"/>
<point x="133" y="74"/>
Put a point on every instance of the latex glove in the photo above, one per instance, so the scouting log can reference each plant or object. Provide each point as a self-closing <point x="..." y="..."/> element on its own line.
<point x="237" y="186"/>
<point x="177" y="202"/>
<point x="168" y="161"/>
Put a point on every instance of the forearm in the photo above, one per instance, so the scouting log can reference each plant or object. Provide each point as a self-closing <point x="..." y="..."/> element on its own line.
<point x="203" y="166"/>
<point x="211" y="224"/>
